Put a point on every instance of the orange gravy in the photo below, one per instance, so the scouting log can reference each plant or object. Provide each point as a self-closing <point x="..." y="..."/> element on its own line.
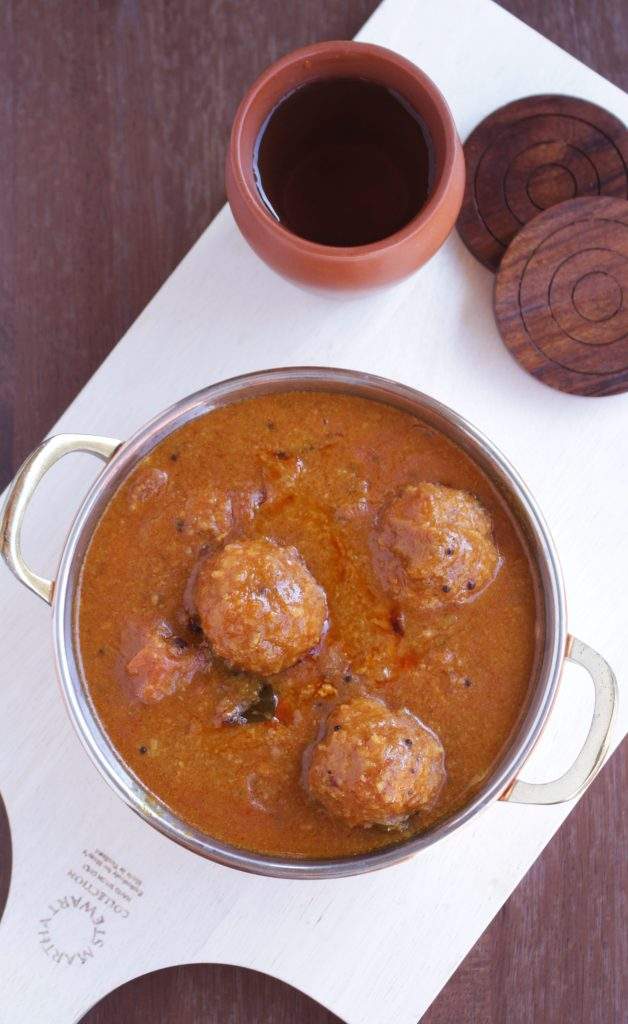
<point x="315" y="469"/>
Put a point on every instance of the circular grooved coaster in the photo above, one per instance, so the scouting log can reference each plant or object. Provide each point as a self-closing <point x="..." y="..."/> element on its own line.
<point x="530" y="155"/>
<point x="561" y="296"/>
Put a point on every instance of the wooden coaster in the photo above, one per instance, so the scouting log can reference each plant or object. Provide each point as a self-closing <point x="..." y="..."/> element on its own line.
<point x="561" y="296"/>
<point x="533" y="154"/>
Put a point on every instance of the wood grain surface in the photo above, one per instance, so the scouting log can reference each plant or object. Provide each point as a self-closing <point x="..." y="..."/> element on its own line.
<point x="114" y="116"/>
<point x="561" y="296"/>
<point x="530" y="155"/>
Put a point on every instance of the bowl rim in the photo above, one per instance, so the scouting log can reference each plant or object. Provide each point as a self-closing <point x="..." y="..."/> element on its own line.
<point x="75" y="693"/>
<point x="295" y="243"/>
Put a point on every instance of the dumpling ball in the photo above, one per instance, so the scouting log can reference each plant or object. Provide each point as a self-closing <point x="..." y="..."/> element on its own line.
<point x="442" y="542"/>
<point x="259" y="605"/>
<point x="375" y="766"/>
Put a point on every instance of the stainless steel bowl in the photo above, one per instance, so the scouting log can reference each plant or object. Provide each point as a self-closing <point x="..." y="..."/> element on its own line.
<point x="120" y="457"/>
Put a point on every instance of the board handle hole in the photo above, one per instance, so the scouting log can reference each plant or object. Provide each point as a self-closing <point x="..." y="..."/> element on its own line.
<point x="209" y="992"/>
<point x="6" y="857"/>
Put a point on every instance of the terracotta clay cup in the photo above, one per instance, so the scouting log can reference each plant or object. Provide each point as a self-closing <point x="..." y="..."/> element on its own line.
<point x="340" y="268"/>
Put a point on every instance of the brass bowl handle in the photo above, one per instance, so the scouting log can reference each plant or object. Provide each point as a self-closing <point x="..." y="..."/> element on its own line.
<point x="591" y="757"/>
<point x="24" y="486"/>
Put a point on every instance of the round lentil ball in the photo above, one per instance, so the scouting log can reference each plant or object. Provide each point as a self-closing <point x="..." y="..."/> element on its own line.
<point x="441" y="540"/>
<point x="375" y="766"/>
<point x="259" y="605"/>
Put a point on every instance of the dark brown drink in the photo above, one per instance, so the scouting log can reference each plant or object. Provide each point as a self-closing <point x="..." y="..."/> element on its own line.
<point x="343" y="162"/>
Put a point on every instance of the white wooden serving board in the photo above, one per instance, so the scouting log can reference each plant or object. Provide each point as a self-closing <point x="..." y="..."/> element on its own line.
<point x="96" y="896"/>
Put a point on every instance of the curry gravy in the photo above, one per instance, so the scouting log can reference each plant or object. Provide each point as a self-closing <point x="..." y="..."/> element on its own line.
<point x="312" y="470"/>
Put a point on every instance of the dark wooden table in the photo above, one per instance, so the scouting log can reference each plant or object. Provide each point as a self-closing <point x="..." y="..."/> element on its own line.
<point x="114" y="116"/>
